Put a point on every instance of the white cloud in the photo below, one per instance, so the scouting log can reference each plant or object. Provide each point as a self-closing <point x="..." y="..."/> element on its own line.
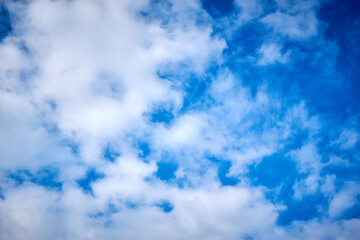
<point x="306" y="186"/>
<point x="345" y="229"/>
<point x="248" y="10"/>
<point x="328" y="186"/>
<point x="97" y="62"/>
<point x="347" y="139"/>
<point x="198" y="213"/>
<point x="344" y="199"/>
<point x="204" y="132"/>
<point x="307" y="158"/>
<point x="271" y="53"/>
<point x="334" y="160"/>
<point x="96" y="65"/>
<point x="309" y="162"/>
<point x="296" y="20"/>
<point x="24" y="141"/>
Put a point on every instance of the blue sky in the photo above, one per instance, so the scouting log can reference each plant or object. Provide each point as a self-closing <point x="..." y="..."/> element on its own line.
<point x="164" y="119"/>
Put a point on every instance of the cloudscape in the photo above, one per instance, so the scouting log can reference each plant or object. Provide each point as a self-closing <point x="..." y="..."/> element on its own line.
<point x="179" y="119"/>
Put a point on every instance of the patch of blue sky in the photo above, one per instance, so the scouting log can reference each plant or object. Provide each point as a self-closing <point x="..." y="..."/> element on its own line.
<point x="110" y="153"/>
<point x="343" y="19"/>
<point x="353" y="212"/>
<point x="279" y="174"/>
<point x="248" y="237"/>
<point x="161" y="115"/>
<point x="72" y="145"/>
<point x="295" y="141"/>
<point x="195" y="93"/>
<point x="5" y="22"/>
<point x="218" y="8"/>
<point x="244" y="41"/>
<point x="343" y="95"/>
<point x="346" y="168"/>
<point x="194" y="86"/>
<point x="223" y="170"/>
<point x="20" y="176"/>
<point x="195" y="90"/>
<point x="145" y="150"/>
<point x="47" y="177"/>
<point x="2" y="196"/>
<point x="223" y="174"/>
<point x="272" y="171"/>
<point x="347" y="156"/>
<point x="170" y="163"/>
<point x="302" y="77"/>
<point x="166" y="170"/>
<point x="166" y="206"/>
<point x="308" y="208"/>
<point x="343" y="173"/>
<point x="91" y="176"/>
